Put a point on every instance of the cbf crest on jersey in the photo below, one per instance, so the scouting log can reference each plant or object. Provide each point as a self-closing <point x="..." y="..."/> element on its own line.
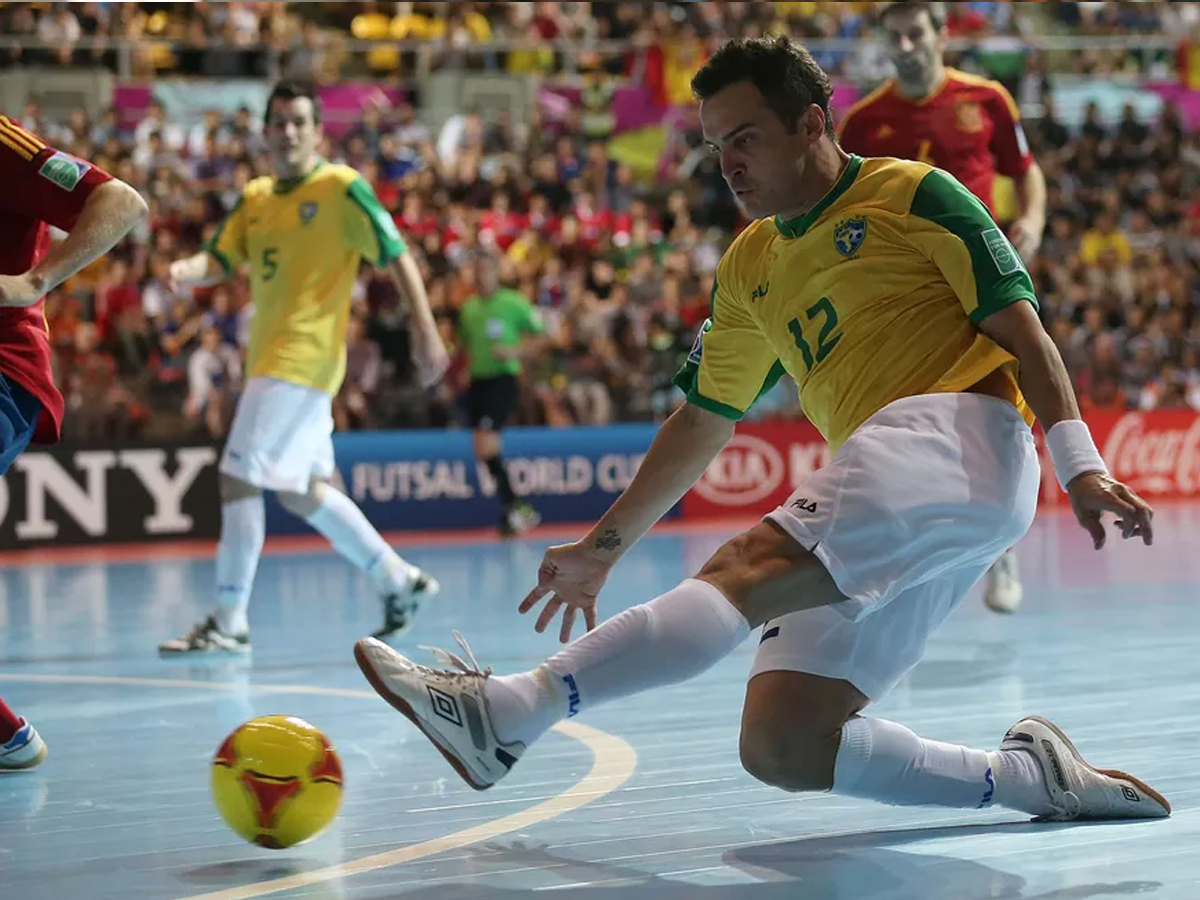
<point x="308" y="209"/>
<point x="849" y="234"/>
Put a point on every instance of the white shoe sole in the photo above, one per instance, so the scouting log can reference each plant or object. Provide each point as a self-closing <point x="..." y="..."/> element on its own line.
<point x="402" y="706"/>
<point x="7" y="765"/>
<point x="1111" y="773"/>
<point x="997" y="605"/>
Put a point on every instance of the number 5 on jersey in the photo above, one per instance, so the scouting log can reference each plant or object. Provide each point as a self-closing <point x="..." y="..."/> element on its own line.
<point x="823" y="311"/>
<point x="269" y="264"/>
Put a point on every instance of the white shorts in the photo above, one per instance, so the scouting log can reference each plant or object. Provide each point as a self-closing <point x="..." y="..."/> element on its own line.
<point x="911" y="511"/>
<point x="282" y="436"/>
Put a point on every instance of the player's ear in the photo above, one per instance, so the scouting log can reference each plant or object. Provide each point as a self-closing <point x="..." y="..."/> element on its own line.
<point x="813" y="122"/>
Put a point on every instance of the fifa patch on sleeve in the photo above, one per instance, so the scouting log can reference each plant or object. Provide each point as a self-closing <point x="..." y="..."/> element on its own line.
<point x="1002" y="252"/>
<point x="697" y="350"/>
<point x="65" y="171"/>
<point x="1022" y="144"/>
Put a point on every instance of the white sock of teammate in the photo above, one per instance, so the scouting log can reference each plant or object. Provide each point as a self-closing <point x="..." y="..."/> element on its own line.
<point x="243" y="527"/>
<point x="884" y="761"/>
<point x="670" y="639"/>
<point x="340" y="520"/>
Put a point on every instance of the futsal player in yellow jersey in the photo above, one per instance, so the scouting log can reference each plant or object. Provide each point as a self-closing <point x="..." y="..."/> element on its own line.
<point x="887" y="292"/>
<point x="304" y="232"/>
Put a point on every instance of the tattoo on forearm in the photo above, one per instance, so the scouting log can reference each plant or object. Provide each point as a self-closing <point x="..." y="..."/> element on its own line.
<point x="610" y="540"/>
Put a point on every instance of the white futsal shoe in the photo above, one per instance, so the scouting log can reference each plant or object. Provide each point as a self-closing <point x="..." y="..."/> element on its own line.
<point x="448" y="706"/>
<point x="1077" y="790"/>
<point x="23" y="750"/>
<point x="1002" y="590"/>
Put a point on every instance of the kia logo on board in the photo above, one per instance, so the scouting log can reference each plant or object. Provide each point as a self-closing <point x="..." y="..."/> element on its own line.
<point x="746" y="471"/>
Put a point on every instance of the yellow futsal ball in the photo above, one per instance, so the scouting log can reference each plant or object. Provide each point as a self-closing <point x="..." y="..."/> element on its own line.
<point x="277" y="781"/>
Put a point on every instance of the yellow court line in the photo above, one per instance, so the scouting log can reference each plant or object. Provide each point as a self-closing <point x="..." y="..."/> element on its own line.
<point x="613" y="763"/>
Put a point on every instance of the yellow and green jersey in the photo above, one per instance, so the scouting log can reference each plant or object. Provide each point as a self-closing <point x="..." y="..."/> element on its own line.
<point x="871" y="296"/>
<point x="304" y="240"/>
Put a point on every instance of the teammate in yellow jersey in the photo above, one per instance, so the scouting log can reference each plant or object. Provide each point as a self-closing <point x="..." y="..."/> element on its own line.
<point x="304" y="232"/>
<point x="904" y="315"/>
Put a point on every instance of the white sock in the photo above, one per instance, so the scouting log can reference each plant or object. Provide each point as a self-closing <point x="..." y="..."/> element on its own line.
<point x="670" y="639"/>
<point x="355" y="538"/>
<point x="1020" y="782"/>
<point x="243" y="527"/>
<point x="884" y="761"/>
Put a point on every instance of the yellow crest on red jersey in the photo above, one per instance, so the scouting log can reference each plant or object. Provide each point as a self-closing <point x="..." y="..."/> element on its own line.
<point x="968" y="116"/>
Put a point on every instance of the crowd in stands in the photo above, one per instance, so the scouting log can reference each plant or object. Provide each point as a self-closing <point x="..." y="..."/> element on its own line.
<point x="619" y="264"/>
<point x="325" y="40"/>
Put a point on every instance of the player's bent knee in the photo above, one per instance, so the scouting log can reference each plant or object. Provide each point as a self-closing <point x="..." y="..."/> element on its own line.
<point x="232" y="489"/>
<point x="791" y="728"/>
<point x="302" y="505"/>
<point x="784" y="761"/>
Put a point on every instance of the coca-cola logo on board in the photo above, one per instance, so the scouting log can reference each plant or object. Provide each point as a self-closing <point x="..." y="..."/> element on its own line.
<point x="1155" y="460"/>
<point x="746" y="471"/>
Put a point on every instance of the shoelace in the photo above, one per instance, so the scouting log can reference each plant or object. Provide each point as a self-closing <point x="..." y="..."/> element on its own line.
<point x="446" y="658"/>
<point x="1072" y="805"/>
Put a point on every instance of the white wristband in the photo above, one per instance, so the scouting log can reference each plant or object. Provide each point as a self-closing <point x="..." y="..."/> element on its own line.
<point x="1073" y="451"/>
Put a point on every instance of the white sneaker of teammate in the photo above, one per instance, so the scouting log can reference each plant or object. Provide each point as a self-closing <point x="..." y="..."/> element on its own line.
<point x="206" y="637"/>
<point x="23" y="750"/>
<point x="1077" y="790"/>
<point x="400" y="607"/>
<point x="1002" y="590"/>
<point x="448" y="706"/>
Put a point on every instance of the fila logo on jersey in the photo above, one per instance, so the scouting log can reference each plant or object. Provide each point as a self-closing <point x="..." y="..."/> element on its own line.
<point x="760" y="291"/>
<point x="63" y="170"/>
<point x="848" y="235"/>
<point x="308" y="209"/>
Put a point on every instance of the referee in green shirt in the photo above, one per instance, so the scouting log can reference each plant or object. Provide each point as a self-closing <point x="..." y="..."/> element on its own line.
<point x="498" y="328"/>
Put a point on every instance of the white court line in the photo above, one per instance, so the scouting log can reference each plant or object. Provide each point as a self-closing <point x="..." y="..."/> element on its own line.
<point x="613" y="763"/>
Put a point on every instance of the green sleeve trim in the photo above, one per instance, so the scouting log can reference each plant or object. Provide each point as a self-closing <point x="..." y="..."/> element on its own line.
<point x="777" y="371"/>
<point x="221" y="258"/>
<point x="714" y="406"/>
<point x="211" y="246"/>
<point x="391" y="245"/>
<point x="1000" y="276"/>
<point x="685" y="379"/>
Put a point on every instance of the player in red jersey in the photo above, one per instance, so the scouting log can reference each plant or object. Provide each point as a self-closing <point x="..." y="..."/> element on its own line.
<point x="968" y="126"/>
<point x="40" y="187"/>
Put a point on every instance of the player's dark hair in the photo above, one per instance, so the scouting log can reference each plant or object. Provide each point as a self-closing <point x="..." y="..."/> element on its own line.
<point x="935" y="11"/>
<point x="293" y="90"/>
<point x="784" y="72"/>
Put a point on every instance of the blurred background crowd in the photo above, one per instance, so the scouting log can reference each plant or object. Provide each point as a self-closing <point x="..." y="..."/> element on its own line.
<point x="613" y="235"/>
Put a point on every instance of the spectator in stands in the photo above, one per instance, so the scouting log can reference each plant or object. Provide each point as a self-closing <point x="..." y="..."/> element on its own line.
<point x="214" y="375"/>
<point x="352" y="408"/>
<point x="615" y="252"/>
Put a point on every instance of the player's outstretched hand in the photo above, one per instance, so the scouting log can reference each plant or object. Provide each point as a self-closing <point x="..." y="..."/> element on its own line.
<point x="1095" y="493"/>
<point x="18" y="290"/>
<point x="572" y="577"/>
<point x="177" y="272"/>
<point x="429" y="355"/>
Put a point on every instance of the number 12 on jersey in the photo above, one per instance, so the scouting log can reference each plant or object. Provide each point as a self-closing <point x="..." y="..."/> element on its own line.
<point x="822" y="310"/>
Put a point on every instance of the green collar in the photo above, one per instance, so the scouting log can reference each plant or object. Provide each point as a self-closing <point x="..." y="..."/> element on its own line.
<point x="283" y="185"/>
<point x="793" y="228"/>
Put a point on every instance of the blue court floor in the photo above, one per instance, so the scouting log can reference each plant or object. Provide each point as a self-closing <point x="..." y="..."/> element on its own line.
<point x="643" y="799"/>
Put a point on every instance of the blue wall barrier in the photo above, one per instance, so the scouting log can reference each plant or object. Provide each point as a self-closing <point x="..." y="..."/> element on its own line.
<point x="414" y="480"/>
